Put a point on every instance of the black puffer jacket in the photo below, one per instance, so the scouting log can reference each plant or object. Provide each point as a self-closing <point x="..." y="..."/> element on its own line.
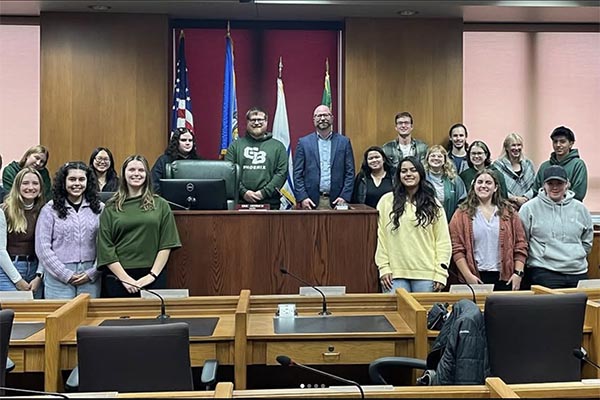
<point x="459" y="354"/>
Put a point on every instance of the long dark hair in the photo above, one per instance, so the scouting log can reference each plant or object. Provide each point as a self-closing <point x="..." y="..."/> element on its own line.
<point x="172" y="149"/>
<point x="366" y="170"/>
<point x="472" y="201"/>
<point x="59" y="188"/>
<point x="111" y="172"/>
<point x="424" y="199"/>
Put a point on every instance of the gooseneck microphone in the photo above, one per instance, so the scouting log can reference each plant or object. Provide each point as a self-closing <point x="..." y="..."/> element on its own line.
<point x="16" y="390"/>
<point x="177" y="205"/>
<point x="324" y="311"/>
<point x="460" y="278"/>
<point x="288" y="362"/>
<point x="163" y="311"/>
<point x="582" y="355"/>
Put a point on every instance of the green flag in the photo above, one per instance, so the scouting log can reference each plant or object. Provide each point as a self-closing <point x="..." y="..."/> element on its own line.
<point x="326" y="100"/>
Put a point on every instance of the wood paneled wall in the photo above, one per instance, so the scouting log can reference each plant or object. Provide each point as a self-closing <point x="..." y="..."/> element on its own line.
<point x="104" y="82"/>
<point x="394" y="65"/>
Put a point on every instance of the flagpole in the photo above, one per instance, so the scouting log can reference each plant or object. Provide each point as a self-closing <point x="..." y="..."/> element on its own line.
<point x="280" y="66"/>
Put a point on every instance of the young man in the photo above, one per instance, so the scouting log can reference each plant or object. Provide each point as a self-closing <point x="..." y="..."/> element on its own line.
<point x="263" y="162"/>
<point x="559" y="231"/>
<point x="566" y="156"/>
<point x="404" y="145"/>
<point x="457" y="147"/>
<point x="323" y="165"/>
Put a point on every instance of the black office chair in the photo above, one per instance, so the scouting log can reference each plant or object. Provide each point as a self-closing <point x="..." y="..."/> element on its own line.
<point x="6" y="322"/>
<point x="529" y="339"/>
<point x="142" y="358"/>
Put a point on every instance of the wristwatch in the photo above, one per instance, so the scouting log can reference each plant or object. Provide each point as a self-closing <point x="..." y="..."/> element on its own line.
<point x="519" y="273"/>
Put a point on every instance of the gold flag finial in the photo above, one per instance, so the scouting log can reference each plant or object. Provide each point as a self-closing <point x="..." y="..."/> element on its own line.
<point x="228" y="29"/>
<point x="327" y="65"/>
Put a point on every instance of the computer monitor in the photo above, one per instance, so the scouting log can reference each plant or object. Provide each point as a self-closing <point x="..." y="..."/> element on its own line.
<point x="105" y="196"/>
<point x="194" y="194"/>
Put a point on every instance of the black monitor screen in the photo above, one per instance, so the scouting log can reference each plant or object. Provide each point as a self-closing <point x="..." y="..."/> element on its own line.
<point x="105" y="196"/>
<point x="194" y="194"/>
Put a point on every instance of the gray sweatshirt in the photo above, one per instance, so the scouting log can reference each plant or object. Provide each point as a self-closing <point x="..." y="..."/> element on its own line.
<point x="560" y="234"/>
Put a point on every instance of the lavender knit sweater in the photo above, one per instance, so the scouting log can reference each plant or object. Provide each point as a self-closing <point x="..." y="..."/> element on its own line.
<point x="62" y="241"/>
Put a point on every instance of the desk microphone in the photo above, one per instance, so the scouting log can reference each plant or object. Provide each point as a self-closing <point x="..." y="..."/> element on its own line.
<point x="460" y="277"/>
<point x="9" y="389"/>
<point x="288" y="362"/>
<point x="582" y="355"/>
<point x="324" y="311"/>
<point x="177" y="205"/>
<point x="163" y="312"/>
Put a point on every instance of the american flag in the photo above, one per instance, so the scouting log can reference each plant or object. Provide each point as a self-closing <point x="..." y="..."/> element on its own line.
<point x="182" y="102"/>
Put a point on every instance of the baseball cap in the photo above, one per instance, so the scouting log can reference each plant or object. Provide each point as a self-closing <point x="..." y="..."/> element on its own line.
<point x="555" y="172"/>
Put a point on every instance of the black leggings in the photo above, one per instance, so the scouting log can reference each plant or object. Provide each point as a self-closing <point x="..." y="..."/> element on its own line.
<point x="113" y="288"/>
<point x="494" y="277"/>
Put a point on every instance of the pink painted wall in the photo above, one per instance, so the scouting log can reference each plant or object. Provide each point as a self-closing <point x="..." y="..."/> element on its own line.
<point x="19" y="90"/>
<point x="530" y="83"/>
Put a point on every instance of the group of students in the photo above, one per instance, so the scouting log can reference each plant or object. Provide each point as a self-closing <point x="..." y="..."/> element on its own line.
<point x="488" y="222"/>
<point x="59" y="240"/>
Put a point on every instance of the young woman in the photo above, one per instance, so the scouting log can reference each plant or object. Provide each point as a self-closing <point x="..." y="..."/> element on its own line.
<point x="518" y="171"/>
<point x="137" y="233"/>
<point x="457" y="147"/>
<point x="449" y="188"/>
<point x="103" y="166"/>
<point x="182" y="146"/>
<point x="488" y="240"/>
<point x="479" y="157"/>
<point x="66" y="233"/>
<point x="20" y="269"/>
<point x="35" y="157"/>
<point x="374" y="178"/>
<point x="413" y="243"/>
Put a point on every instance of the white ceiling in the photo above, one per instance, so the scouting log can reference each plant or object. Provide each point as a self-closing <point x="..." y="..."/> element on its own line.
<point x="328" y="10"/>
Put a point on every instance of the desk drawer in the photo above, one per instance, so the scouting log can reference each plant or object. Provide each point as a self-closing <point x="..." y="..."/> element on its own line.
<point x="330" y="352"/>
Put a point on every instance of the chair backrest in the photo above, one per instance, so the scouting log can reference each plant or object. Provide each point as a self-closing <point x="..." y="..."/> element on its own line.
<point x="142" y="358"/>
<point x="208" y="169"/>
<point x="6" y="322"/>
<point x="531" y="338"/>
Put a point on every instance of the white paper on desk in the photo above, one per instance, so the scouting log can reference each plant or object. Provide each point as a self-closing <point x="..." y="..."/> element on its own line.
<point x="595" y="381"/>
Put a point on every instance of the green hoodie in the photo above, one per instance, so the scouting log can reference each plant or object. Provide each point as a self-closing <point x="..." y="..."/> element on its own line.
<point x="263" y="166"/>
<point x="576" y="172"/>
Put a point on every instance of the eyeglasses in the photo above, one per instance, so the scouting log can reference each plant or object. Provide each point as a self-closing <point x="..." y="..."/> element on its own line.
<point x="186" y="140"/>
<point x="319" y="116"/>
<point x="477" y="153"/>
<point x="258" y="121"/>
<point x="102" y="159"/>
<point x="403" y="123"/>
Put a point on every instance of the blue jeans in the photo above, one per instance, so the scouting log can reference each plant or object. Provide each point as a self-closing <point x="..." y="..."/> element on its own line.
<point x="55" y="289"/>
<point x="27" y="269"/>
<point x="411" y="285"/>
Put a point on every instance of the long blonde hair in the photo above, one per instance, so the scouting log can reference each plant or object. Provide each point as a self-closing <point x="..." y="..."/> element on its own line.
<point x="508" y="141"/>
<point x="34" y="150"/>
<point x="14" y="205"/>
<point x="448" y="168"/>
<point x="123" y="192"/>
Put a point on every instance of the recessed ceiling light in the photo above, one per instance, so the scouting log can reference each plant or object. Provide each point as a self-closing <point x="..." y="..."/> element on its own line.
<point x="99" y="7"/>
<point x="407" y="13"/>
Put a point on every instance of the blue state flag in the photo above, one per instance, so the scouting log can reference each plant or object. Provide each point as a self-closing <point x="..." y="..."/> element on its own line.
<point x="229" y="122"/>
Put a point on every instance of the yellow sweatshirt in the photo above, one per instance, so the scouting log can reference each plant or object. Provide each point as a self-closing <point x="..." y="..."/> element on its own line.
<point x="411" y="252"/>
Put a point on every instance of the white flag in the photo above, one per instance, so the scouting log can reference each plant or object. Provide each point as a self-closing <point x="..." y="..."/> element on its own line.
<point x="281" y="132"/>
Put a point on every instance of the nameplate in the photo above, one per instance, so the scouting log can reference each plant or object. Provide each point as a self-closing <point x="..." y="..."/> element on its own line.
<point x="166" y="293"/>
<point x="327" y="290"/>
<point x="365" y="388"/>
<point x="16" y="295"/>
<point x="486" y="288"/>
<point x="253" y="207"/>
<point x="588" y="284"/>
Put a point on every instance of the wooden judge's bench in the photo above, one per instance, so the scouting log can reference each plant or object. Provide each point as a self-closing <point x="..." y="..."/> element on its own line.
<point x="224" y="252"/>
